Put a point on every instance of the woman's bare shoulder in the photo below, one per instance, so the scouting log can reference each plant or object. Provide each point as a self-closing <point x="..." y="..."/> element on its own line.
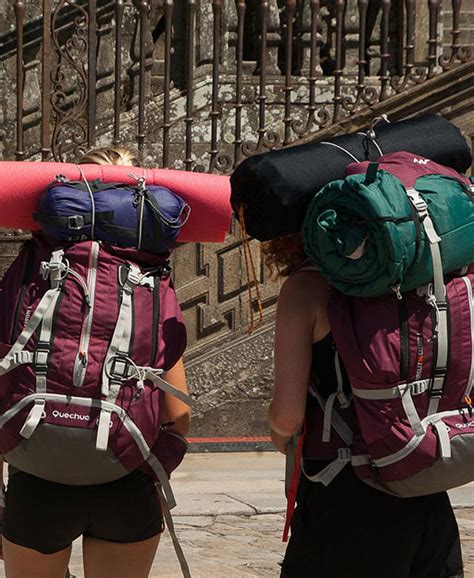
<point x="306" y="286"/>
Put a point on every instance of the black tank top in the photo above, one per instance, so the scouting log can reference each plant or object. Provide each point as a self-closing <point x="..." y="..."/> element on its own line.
<point x="323" y="368"/>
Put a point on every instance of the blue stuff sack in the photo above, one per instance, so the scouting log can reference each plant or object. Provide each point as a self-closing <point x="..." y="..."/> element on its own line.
<point x="147" y="218"/>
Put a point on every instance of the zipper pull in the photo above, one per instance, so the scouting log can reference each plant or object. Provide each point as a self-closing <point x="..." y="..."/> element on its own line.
<point x="468" y="401"/>
<point x="83" y="358"/>
<point x="397" y="291"/>
<point x="140" y="389"/>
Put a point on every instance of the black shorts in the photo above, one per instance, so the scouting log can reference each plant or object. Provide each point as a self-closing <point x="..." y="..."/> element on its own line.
<point x="350" y="530"/>
<point x="47" y="517"/>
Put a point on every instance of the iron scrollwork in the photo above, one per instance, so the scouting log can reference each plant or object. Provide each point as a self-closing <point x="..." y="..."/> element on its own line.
<point x="69" y="96"/>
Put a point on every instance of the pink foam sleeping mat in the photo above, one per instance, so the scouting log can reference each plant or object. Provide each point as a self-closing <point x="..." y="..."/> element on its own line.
<point x="22" y="183"/>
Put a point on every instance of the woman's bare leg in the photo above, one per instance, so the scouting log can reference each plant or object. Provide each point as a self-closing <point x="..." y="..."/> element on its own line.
<point x="21" y="562"/>
<point x="103" y="559"/>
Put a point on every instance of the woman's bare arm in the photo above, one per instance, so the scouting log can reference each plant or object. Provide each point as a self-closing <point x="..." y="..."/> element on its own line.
<point x="301" y="319"/>
<point x="175" y="412"/>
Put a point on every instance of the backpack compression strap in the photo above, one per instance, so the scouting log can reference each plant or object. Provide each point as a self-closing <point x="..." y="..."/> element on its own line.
<point x="326" y="475"/>
<point x="436" y="297"/>
<point x="45" y="309"/>
<point x="170" y="525"/>
<point x="118" y="367"/>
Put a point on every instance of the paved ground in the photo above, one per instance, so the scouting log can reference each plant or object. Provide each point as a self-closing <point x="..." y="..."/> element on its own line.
<point x="229" y="518"/>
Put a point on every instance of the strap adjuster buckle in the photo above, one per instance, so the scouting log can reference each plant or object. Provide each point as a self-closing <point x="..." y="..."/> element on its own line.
<point x="418" y="202"/>
<point x="22" y="357"/>
<point x="119" y="365"/>
<point x="41" y="356"/>
<point x="344" y="454"/>
<point x="134" y="276"/>
<point x="75" y="222"/>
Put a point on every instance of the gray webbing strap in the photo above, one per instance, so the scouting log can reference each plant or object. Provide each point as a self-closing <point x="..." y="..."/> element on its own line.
<point x="115" y="367"/>
<point x="40" y="356"/>
<point x="162" y="477"/>
<point x="433" y="405"/>
<point x="443" y="438"/>
<point x="170" y="525"/>
<point x="123" y="329"/>
<point x="437" y="300"/>
<point x="167" y="387"/>
<point x="15" y="356"/>
<point x="442" y="335"/>
<point x="470" y="381"/>
<point x="404" y="391"/>
<point x="43" y="346"/>
<point x="54" y="271"/>
<point x="410" y="409"/>
<point x="416" y="388"/>
<point x="33" y="419"/>
<point x="152" y="375"/>
<point x="361" y="460"/>
<point x="327" y="475"/>
<point x="328" y="413"/>
<point x="341" y="427"/>
<point x="103" y="429"/>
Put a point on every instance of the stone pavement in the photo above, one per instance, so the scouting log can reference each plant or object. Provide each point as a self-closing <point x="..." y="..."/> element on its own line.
<point x="230" y="516"/>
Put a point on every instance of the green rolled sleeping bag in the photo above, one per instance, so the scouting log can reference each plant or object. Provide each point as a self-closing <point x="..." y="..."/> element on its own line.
<point x="366" y="237"/>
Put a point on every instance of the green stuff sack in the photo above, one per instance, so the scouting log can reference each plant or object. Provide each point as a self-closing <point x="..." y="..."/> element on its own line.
<point x="367" y="237"/>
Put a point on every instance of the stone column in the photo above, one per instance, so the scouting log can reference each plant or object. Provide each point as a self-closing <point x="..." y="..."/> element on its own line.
<point x="303" y="32"/>
<point x="273" y="37"/>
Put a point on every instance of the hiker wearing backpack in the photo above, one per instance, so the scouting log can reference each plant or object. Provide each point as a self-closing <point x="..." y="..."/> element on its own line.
<point x="123" y="390"/>
<point x="345" y="529"/>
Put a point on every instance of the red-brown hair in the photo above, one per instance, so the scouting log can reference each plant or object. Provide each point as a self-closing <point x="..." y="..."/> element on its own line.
<point x="284" y="254"/>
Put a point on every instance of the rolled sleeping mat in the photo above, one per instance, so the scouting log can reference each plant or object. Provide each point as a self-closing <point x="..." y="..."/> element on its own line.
<point x="366" y="236"/>
<point x="275" y="188"/>
<point x="22" y="183"/>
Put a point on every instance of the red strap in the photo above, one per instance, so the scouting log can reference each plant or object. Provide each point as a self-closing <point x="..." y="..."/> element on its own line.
<point x="293" y="490"/>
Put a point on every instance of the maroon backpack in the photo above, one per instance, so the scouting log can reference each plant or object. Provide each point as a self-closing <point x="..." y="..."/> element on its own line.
<point x="410" y="361"/>
<point x="411" y="387"/>
<point x="86" y="330"/>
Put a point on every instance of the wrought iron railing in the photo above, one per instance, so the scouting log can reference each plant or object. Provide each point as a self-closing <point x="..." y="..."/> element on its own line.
<point x="201" y="85"/>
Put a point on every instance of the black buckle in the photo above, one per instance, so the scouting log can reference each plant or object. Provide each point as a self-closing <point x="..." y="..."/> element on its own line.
<point x="76" y="222"/>
<point x="439" y="372"/>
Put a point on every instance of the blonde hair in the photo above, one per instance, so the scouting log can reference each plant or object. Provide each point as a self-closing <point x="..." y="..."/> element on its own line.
<point x="110" y="156"/>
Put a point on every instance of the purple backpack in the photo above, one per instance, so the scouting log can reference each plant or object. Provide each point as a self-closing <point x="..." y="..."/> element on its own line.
<point x="410" y="362"/>
<point x="86" y="332"/>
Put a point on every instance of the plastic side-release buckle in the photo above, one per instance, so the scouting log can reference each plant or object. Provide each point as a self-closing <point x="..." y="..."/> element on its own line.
<point x="418" y="202"/>
<point x="75" y="222"/>
<point x="134" y="276"/>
